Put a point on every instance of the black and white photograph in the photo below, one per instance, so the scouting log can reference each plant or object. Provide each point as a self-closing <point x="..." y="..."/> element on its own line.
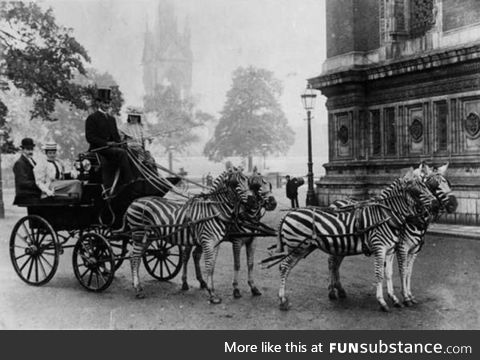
<point x="240" y="165"/>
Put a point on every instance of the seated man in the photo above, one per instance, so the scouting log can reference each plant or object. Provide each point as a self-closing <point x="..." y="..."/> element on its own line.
<point x="102" y="134"/>
<point x="50" y="176"/>
<point x="25" y="187"/>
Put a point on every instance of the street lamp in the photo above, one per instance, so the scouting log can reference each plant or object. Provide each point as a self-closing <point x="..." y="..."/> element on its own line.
<point x="308" y="100"/>
<point x="170" y="157"/>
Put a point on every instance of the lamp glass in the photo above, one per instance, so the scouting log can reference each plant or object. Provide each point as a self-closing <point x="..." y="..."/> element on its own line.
<point x="308" y="98"/>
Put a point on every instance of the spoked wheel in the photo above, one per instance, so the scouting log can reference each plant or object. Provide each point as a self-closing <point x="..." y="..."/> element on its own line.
<point x="118" y="244"/>
<point x="34" y="250"/>
<point x="162" y="260"/>
<point x="93" y="262"/>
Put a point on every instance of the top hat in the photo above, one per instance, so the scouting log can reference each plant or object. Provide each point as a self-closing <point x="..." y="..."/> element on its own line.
<point x="104" y="95"/>
<point x="27" y="143"/>
<point x="134" y="117"/>
<point x="50" y="146"/>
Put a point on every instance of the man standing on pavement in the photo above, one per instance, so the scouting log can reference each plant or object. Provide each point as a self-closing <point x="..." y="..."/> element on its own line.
<point x="292" y="190"/>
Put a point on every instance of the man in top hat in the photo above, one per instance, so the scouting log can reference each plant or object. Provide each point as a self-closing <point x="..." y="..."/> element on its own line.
<point x="102" y="134"/>
<point x="50" y="176"/>
<point x="25" y="187"/>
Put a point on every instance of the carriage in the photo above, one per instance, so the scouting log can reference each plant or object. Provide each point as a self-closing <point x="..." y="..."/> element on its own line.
<point x="92" y="226"/>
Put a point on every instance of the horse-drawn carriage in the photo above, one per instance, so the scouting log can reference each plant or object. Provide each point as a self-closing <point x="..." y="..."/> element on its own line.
<point x="91" y="225"/>
<point x="97" y="230"/>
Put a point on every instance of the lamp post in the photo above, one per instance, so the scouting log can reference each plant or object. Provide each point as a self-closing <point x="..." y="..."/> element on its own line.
<point x="2" y="207"/>
<point x="308" y="100"/>
<point x="170" y="157"/>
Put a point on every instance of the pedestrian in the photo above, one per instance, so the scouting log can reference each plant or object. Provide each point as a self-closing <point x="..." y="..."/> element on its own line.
<point x="102" y="134"/>
<point x="25" y="186"/>
<point x="51" y="178"/>
<point x="209" y="179"/>
<point x="292" y="190"/>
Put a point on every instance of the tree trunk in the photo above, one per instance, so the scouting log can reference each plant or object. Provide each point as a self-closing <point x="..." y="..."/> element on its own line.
<point x="250" y="163"/>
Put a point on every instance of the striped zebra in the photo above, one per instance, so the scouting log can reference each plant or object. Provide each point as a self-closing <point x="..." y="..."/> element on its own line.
<point x="374" y="225"/>
<point x="412" y="236"/>
<point x="265" y="202"/>
<point x="202" y="220"/>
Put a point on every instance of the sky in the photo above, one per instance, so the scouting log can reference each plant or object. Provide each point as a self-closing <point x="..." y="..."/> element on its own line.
<point x="284" y="36"/>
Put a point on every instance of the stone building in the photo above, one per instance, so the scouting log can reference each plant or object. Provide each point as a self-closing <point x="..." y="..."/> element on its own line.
<point x="167" y="55"/>
<point x="402" y="81"/>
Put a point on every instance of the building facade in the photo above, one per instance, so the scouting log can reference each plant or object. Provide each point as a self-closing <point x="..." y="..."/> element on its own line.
<point x="167" y="55"/>
<point x="402" y="81"/>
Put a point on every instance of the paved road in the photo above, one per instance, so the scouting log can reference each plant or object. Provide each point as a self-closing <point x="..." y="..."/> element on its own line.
<point x="446" y="282"/>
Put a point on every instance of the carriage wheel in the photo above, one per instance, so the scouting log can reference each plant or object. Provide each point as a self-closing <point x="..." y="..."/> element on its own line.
<point x="93" y="262"/>
<point x="118" y="244"/>
<point x="34" y="250"/>
<point x="162" y="260"/>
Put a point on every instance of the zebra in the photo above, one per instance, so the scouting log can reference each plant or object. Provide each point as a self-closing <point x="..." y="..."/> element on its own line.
<point x="202" y="220"/>
<point x="266" y="202"/>
<point x="375" y="224"/>
<point x="412" y="236"/>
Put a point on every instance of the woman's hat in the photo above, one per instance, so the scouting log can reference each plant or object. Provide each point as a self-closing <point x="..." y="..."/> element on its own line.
<point x="49" y="146"/>
<point x="27" y="143"/>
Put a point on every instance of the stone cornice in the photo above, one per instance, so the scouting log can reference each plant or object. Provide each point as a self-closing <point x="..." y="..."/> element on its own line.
<point x="404" y="66"/>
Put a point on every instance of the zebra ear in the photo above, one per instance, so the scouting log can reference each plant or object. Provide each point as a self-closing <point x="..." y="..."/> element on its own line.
<point x="410" y="175"/>
<point x="442" y="170"/>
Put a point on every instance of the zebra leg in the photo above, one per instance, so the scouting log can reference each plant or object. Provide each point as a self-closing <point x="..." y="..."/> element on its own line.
<point x="380" y="254"/>
<point x="197" y="255"/>
<point x="334" y="263"/>
<point x="210" y="256"/>
<point x="285" y="267"/>
<point x="236" y="248"/>
<point x="250" y="248"/>
<point x="185" y="257"/>
<point x="389" y="279"/>
<point x="135" y="259"/>
<point x="402" y="259"/>
<point x="411" y="259"/>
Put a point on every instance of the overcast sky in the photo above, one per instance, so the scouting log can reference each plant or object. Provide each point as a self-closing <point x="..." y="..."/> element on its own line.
<point x="284" y="36"/>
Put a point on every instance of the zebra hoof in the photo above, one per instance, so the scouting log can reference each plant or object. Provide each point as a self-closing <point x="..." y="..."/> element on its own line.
<point x="237" y="294"/>
<point x="332" y="295"/>
<point x="414" y="301"/>
<point x="342" y="294"/>
<point x="140" y="295"/>
<point x="203" y="284"/>
<point x="185" y="286"/>
<point x="256" y="292"/>
<point x="385" y="308"/>
<point x="215" y="300"/>
<point x="397" y="304"/>
<point x="285" y="305"/>
<point x="408" y="303"/>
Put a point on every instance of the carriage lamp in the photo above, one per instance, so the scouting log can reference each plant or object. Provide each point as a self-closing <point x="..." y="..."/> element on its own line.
<point x="308" y="100"/>
<point x="86" y="165"/>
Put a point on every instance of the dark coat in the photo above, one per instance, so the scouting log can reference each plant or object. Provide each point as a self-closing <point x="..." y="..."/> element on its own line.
<point x="101" y="128"/>
<point x="25" y="187"/>
<point x="292" y="188"/>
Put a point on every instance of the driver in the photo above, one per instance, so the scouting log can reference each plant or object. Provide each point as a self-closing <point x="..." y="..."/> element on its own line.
<point x="102" y="134"/>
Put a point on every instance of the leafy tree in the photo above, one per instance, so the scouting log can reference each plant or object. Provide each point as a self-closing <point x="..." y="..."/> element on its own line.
<point x="174" y="117"/>
<point x="252" y="121"/>
<point x="40" y="57"/>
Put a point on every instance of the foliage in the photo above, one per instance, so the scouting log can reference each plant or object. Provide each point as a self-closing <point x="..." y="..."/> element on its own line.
<point x="252" y="121"/>
<point x="40" y="58"/>
<point x="174" y="118"/>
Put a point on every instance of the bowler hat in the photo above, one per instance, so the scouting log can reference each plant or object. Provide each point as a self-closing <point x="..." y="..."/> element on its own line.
<point x="27" y="143"/>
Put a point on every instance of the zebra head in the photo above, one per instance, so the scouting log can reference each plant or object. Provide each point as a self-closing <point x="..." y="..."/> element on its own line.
<point x="437" y="183"/>
<point x="237" y="185"/>
<point x="263" y="192"/>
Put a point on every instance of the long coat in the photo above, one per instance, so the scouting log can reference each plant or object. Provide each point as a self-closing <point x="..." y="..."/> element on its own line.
<point x="25" y="187"/>
<point x="101" y="128"/>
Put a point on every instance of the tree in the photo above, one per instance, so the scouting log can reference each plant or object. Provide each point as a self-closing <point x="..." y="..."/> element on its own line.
<point x="40" y="58"/>
<point x="252" y="121"/>
<point x="174" y="117"/>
